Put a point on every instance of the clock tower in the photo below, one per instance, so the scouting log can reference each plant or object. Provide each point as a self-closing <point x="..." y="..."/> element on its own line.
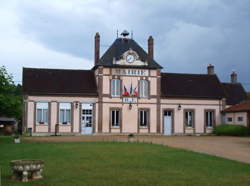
<point x="128" y="80"/>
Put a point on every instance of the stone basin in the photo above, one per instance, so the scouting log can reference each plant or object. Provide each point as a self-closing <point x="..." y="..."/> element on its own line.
<point x="25" y="170"/>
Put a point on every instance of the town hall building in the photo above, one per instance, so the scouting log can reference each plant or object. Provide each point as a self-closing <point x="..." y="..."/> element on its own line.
<point x="125" y="92"/>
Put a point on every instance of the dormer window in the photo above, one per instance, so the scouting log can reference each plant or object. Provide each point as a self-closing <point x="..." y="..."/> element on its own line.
<point x="115" y="87"/>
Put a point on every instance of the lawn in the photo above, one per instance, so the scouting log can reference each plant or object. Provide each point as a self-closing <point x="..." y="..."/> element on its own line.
<point x="114" y="163"/>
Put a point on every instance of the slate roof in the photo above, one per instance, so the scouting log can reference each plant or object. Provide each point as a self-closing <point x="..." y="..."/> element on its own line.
<point x="59" y="82"/>
<point x="120" y="46"/>
<point x="234" y="93"/>
<point x="175" y="85"/>
<point x="7" y="119"/>
<point x="242" y="107"/>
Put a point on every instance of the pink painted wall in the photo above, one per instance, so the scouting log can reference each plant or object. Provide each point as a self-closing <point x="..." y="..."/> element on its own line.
<point x="42" y="128"/>
<point x="235" y="116"/>
<point x="129" y="117"/>
<point x="30" y="119"/>
<point x="199" y="106"/>
<point x="53" y="115"/>
<point x="54" y="112"/>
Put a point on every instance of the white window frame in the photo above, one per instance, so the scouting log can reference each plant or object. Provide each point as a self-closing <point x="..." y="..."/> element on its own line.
<point x="87" y="113"/>
<point x="190" y="118"/>
<point x="116" y="123"/>
<point x="208" y="121"/>
<point x="115" y="87"/>
<point x="142" y="122"/>
<point x="144" y="88"/>
<point x="65" y="107"/>
<point x="44" y="107"/>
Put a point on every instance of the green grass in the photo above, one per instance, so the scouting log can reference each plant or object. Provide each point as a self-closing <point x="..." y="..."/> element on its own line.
<point x="107" y="163"/>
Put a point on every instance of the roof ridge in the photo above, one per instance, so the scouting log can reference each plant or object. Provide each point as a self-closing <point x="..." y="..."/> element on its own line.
<point x="231" y="83"/>
<point x="187" y="74"/>
<point x="56" y="69"/>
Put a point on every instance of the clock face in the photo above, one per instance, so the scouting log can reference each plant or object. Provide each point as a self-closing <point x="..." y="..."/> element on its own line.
<point x="130" y="58"/>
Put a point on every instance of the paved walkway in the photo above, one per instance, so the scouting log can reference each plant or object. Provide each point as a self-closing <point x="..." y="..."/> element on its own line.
<point x="235" y="148"/>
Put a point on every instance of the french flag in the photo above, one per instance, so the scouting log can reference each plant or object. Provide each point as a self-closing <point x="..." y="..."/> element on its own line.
<point x="125" y="92"/>
<point x="131" y="89"/>
<point x="135" y="91"/>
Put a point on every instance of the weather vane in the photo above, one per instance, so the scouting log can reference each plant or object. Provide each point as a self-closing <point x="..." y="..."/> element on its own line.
<point x="125" y="33"/>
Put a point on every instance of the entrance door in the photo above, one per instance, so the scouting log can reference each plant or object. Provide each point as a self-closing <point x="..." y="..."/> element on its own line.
<point x="168" y="119"/>
<point x="87" y="118"/>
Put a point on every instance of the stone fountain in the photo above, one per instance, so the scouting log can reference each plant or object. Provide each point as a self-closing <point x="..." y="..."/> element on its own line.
<point x="25" y="170"/>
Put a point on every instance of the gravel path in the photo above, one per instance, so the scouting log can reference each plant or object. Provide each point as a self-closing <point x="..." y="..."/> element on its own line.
<point x="235" y="148"/>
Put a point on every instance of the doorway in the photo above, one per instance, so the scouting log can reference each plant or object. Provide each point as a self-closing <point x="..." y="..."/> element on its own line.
<point x="168" y="122"/>
<point x="87" y="118"/>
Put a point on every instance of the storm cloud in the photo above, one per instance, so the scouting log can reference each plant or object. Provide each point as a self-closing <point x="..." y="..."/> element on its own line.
<point x="189" y="34"/>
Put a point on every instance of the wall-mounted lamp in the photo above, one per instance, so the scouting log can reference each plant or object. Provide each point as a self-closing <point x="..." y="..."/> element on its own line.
<point x="179" y="107"/>
<point x="76" y="104"/>
<point x="130" y="106"/>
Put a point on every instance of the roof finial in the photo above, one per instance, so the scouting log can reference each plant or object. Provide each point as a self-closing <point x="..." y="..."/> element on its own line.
<point x="125" y="33"/>
<point x="131" y="34"/>
<point x="117" y="33"/>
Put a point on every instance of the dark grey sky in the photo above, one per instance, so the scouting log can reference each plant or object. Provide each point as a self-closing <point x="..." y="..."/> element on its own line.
<point x="189" y="34"/>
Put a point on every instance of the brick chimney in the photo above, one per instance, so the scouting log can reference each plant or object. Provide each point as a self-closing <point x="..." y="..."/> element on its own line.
<point x="151" y="46"/>
<point x="210" y="69"/>
<point x="233" y="77"/>
<point x="97" y="47"/>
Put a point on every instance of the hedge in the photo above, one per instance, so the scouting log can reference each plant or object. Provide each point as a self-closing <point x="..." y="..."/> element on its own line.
<point x="231" y="130"/>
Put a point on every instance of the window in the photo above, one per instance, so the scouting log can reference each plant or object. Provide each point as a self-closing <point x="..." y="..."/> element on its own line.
<point x="240" y="118"/>
<point x="229" y="119"/>
<point x="143" y="118"/>
<point x="189" y="118"/>
<point x="115" y="87"/>
<point x="42" y="113"/>
<point x="209" y="118"/>
<point x="65" y="113"/>
<point x="115" y="118"/>
<point x="143" y="88"/>
<point x="87" y="117"/>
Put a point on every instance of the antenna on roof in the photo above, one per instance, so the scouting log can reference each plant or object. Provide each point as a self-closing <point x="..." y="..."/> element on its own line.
<point x="131" y="34"/>
<point x="125" y="33"/>
<point x="117" y="33"/>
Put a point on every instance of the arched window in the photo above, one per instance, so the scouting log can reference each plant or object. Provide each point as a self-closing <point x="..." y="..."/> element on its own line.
<point x="143" y="88"/>
<point x="115" y="87"/>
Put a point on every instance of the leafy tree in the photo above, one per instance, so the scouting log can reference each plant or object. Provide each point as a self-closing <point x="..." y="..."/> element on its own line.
<point x="10" y="96"/>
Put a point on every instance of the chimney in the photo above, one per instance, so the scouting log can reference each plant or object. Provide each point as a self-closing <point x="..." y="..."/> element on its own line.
<point x="151" y="46"/>
<point x="233" y="77"/>
<point x="210" y="69"/>
<point x="97" y="47"/>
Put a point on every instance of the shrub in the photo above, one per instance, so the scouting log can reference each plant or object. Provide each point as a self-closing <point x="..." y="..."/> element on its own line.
<point x="231" y="130"/>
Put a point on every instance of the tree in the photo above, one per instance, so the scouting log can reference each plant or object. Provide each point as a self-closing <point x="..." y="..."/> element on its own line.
<point x="10" y="96"/>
